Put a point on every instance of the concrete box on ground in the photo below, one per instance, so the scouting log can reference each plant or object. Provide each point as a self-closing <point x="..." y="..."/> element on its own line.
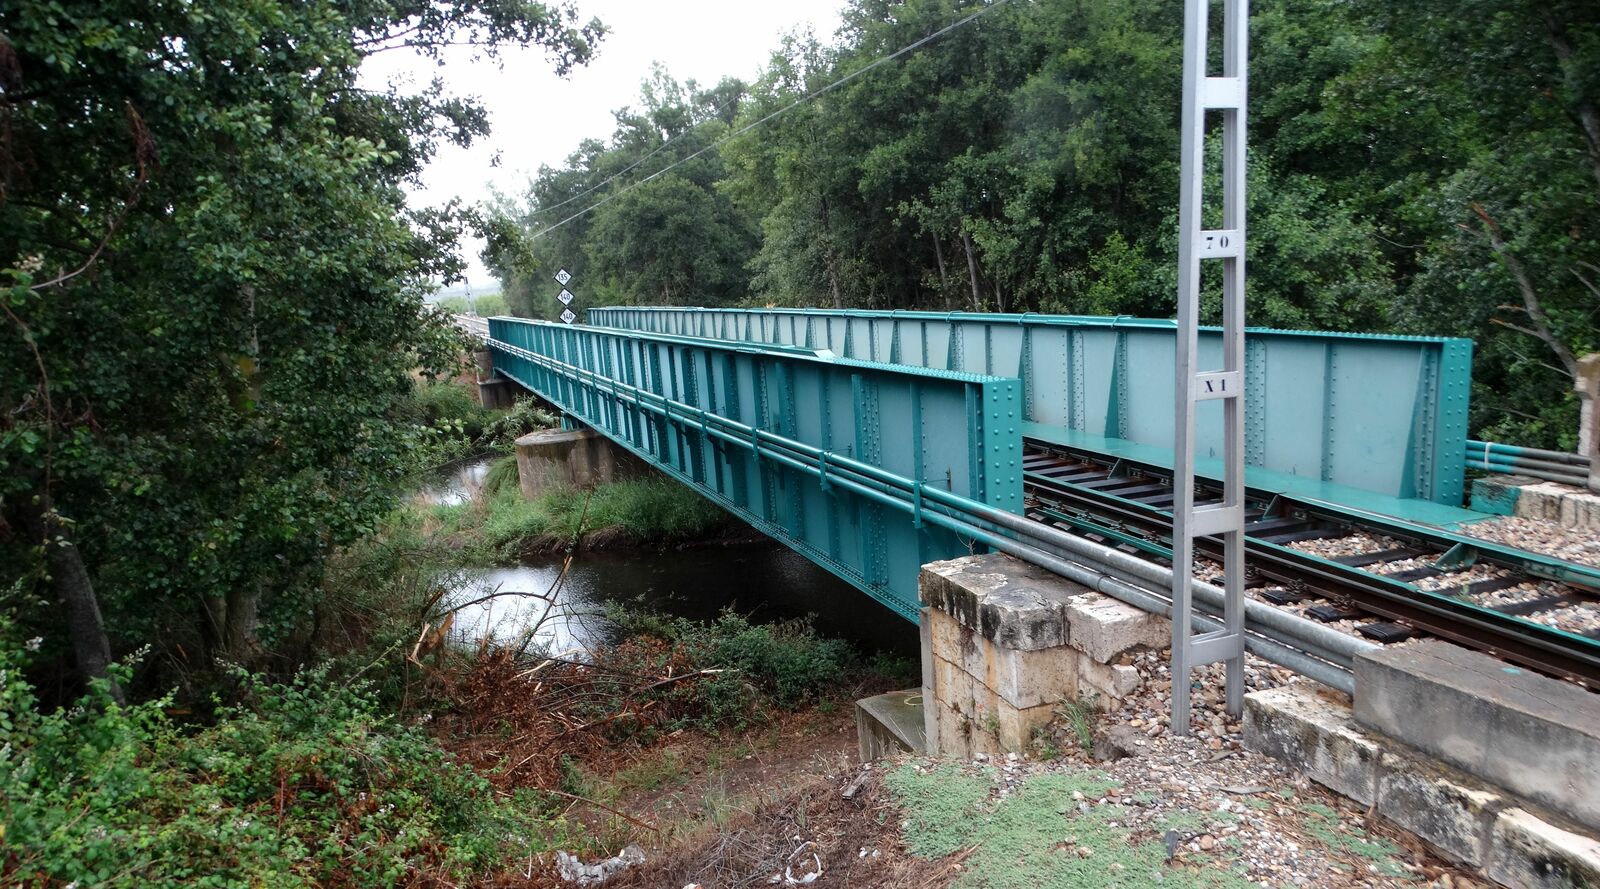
<point x="1462" y="817"/>
<point x="889" y="723"/>
<point x="1005" y="641"/>
<point x="1535" y="736"/>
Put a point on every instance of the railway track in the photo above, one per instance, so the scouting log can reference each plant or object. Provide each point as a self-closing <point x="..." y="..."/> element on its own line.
<point x="1387" y="580"/>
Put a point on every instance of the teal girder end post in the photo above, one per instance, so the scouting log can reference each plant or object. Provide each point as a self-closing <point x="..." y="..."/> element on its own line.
<point x="1454" y="401"/>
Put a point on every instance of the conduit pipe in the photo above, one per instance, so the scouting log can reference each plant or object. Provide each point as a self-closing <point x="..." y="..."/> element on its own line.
<point x="1492" y="447"/>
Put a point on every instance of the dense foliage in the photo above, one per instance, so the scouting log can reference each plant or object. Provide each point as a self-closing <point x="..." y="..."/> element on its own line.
<point x="1416" y="166"/>
<point x="212" y="292"/>
<point x="305" y="783"/>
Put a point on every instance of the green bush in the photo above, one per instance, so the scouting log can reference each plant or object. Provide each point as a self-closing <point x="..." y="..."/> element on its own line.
<point x="305" y="784"/>
<point x="525" y="416"/>
<point x="451" y="408"/>
<point x="488" y="305"/>
<point x="762" y="666"/>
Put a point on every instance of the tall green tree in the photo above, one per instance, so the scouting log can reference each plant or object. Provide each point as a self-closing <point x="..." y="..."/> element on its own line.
<point x="212" y="298"/>
<point x="1500" y="212"/>
<point x="1415" y="166"/>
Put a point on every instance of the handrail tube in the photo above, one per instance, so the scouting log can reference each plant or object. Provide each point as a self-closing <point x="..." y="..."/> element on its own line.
<point x="1574" y="480"/>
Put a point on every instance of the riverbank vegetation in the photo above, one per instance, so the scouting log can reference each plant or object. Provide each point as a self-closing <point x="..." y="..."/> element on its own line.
<point x="220" y="652"/>
<point x="1415" y="167"/>
<point x="499" y="524"/>
<point x="444" y="769"/>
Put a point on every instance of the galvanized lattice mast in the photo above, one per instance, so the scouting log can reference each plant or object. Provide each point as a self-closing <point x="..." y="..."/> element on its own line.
<point x="1203" y="95"/>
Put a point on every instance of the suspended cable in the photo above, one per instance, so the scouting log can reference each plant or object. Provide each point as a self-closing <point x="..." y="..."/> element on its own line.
<point x="883" y="60"/>
<point x="717" y="112"/>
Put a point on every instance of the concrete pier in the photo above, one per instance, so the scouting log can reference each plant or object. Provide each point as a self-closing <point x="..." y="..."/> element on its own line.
<point x="1531" y="498"/>
<point x="569" y="458"/>
<point x="1494" y="767"/>
<point x="1503" y="836"/>
<point x="497" y="393"/>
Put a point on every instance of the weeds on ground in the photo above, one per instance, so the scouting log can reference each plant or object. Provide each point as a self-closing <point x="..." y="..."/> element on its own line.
<point x="1035" y="838"/>
<point x="1080" y="715"/>
<point x="758" y="666"/>
<point x="1324" y="824"/>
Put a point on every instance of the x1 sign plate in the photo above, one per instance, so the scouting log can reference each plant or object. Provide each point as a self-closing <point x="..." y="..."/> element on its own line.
<point x="563" y="276"/>
<point x="565" y="297"/>
<point x="567" y="317"/>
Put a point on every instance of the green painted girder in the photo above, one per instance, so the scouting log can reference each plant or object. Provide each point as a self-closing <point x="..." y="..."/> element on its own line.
<point x="1383" y="414"/>
<point x="755" y="429"/>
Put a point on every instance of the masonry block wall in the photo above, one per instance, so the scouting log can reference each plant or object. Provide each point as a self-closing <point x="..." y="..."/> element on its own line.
<point x="1004" y="642"/>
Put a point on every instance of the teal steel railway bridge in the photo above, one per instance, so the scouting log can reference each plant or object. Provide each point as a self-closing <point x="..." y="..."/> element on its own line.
<point x="875" y="442"/>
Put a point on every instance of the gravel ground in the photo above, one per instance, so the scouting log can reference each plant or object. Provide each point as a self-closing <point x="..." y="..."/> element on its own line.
<point x="1529" y="534"/>
<point x="1216" y="805"/>
<point x="1539" y="536"/>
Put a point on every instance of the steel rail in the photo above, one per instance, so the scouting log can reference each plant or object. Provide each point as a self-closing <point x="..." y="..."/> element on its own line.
<point x="1534" y="645"/>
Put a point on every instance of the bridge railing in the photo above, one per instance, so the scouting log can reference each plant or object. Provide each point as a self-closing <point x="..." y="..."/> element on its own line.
<point x="1386" y="414"/>
<point x="771" y="432"/>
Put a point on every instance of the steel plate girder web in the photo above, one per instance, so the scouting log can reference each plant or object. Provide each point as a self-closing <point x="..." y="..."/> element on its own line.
<point x="712" y="414"/>
<point x="1280" y="638"/>
<point x="1386" y="414"/>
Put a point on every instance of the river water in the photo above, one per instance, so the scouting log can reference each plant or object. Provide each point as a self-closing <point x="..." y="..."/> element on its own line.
<point x="766" y="582"/>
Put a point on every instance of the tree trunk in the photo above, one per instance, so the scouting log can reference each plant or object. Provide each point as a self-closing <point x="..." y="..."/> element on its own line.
<point x="828" y="259"/>
<point x="70" y="579"/>
<point x="239" y="636"/>
<point x="999" y="299"/>
<point x="944" y="279"/>
<point x="229" y="624"/>
<point x="972" y="273"/>
<point x="1588" y="115"/>
<point x="1531" y="305"/>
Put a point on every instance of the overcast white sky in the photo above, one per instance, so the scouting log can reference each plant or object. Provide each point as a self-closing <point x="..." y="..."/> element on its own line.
<point x="539" y="118"/>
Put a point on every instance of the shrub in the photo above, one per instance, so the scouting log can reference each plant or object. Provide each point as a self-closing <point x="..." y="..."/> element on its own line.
<point x="451" y="408"/>
<point x="652" y="510"/>
<point x="306" y="784"/>
<point x="523" y="417"/>
<point x="762" y="666"/>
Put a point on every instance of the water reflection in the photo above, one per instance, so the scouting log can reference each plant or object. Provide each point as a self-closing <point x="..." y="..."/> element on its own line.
<point x="766" y="582"/>
<point x="457" y="484"/>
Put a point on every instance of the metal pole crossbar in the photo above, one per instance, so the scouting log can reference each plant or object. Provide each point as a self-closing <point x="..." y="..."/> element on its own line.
<point x="1202" y="94"/>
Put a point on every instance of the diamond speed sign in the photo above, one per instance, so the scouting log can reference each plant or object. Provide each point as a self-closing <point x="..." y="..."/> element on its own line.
<point x="563" y="276"/>
<point x="567" y="317"/>
<point x="565" y="297"/>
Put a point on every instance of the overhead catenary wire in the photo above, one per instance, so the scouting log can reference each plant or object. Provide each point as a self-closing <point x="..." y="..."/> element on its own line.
<point x="882" y="60"/>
